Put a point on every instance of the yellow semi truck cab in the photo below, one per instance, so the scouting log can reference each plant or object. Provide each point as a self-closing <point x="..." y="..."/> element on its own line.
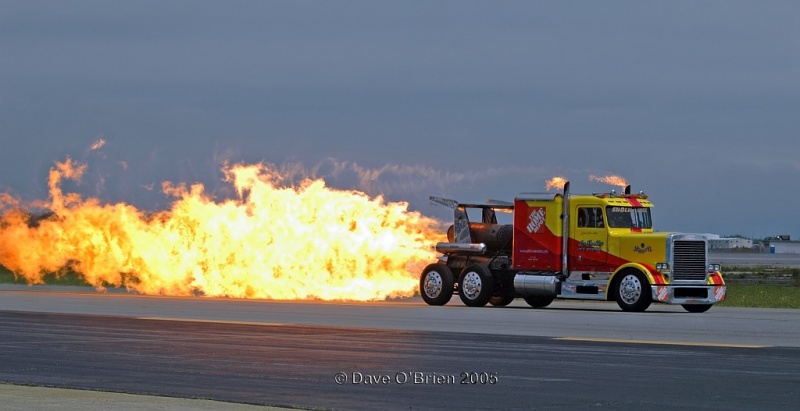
<point x="614" y="254"/>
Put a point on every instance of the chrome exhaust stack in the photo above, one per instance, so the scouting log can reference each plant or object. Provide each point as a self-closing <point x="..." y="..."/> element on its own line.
<point x="565" y="232"/>
<point x="465" y="248"/>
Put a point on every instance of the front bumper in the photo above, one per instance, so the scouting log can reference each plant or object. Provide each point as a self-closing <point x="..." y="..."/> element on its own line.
<point x="689" y="294"/>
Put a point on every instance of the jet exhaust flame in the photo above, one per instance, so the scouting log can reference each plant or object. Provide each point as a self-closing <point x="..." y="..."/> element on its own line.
<point x="275" y="241"/>
<point x="610" y="180"/>
<point x="97" y="145"/>
<point x="555" y="182"/>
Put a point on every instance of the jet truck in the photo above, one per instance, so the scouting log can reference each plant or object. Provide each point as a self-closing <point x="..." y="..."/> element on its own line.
<point x="585" y="247"/>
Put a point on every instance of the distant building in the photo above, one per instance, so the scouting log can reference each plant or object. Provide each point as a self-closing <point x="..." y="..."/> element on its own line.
<point x="784" y="247"/>
<point x="729" y="243"/>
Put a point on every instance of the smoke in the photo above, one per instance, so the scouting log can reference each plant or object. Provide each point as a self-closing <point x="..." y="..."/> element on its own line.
<point x="394" y="180"/>
<point x="118" y="179"/>
<point x="397" y="182"/>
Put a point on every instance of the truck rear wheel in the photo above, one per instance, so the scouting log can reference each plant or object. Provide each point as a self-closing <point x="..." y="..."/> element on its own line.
<point x="436" y="284"/>
<point x="501" y="300"/>
<point x="539" y="302"/>
<point x="475" y="285"/>
<point x="696" y="308"/>
<point x="632" y="291"/>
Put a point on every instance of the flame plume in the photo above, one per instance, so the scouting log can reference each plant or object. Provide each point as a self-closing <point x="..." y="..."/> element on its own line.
<point x="276" y="241"/>
<point x="555" y="182"/>
<point x="610" y="180"/>
<point x="97" y="145"/>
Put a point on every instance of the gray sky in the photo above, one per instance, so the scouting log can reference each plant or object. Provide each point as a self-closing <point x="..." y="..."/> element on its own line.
<point x="696" y="103"/>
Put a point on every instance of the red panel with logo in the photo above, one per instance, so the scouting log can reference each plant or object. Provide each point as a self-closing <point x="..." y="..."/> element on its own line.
<point x="536" y="247"/>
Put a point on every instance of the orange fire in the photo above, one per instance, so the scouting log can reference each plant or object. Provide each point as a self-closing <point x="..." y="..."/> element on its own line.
<point x="275" y="241"/>
<point x="610" y="180"/>
<point x="97" y="145"/>
<point x="555" y="182"/>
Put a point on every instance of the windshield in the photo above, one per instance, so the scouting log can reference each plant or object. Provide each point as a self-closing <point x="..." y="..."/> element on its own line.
<point x="629" y="217"/>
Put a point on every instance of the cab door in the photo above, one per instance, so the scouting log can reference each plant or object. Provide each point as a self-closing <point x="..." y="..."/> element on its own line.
<point x="589" y="239"/>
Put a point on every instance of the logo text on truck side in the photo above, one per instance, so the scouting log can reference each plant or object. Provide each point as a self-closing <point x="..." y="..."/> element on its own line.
<point x="536" y="219"/>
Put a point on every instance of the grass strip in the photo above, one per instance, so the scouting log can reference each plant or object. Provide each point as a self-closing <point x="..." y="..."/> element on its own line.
<point x="762" y="296"/>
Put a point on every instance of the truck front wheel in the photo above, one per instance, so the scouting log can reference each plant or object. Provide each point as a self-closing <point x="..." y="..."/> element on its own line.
<point x="632" y="291"/>
<point x="436" y="284"/>
<point x="475" y="285"/>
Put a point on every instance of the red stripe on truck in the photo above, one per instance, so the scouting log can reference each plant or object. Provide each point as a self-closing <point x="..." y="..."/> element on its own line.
<point x="634" y="202"/>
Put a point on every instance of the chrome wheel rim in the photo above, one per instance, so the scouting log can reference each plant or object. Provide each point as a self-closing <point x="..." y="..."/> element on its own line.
<point x="471" y="285"/>
<point x="433" y="284"/>
<point x="630" y="289"/>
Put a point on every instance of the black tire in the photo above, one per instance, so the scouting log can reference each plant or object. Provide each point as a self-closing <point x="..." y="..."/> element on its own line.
<point x="539" y="302"/>
<point x="475" y="285"/>
<point x="632" y="291"/>
<point x="501" y="300"/>
<point x="436" y="284"/>
<point x="696" y="308"/>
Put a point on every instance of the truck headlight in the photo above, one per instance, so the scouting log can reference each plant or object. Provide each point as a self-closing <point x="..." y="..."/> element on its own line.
<point x="713" y="268"/>
<point x="662" y="267"/>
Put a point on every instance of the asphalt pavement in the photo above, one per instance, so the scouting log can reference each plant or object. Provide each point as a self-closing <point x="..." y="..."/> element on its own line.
<point x="316" y="367"/>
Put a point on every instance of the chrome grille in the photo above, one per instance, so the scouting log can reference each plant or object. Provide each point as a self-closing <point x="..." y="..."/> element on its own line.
<point x="689" y="260"/>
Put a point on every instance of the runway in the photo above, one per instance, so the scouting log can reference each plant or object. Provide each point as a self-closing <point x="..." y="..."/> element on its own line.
<point x="401" y="354"/>
<point x="296" y="366"/>
<point x="565" y="319"/>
